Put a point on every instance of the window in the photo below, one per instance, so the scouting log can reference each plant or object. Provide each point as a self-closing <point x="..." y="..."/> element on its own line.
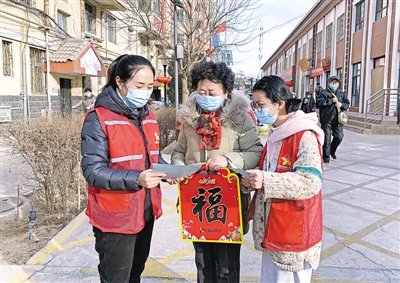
<point x="37" y="58"/>
<point x="90" y="19"/>
<point x="319" y="42"/>
<point x="310" y="48"/>
<point x="112" y="29"/>
<point x="144" y="6"/>
<point x="340" y="28"/>
<point x="359" y="15"/>
<point x="328" y="39"/>
<point x="305" y="50"/>
<point x="31" y="3"/>
<point x="62" y="21"/>
<point x="355" y="93"/>
<point x="381" y="9"/>
<point x="379" y="62"/>
<point x="7" y="59"/>
<point x="130" y="39"/>
<point x="182" y="15"/>
<point x="156" y="7"/>
<point x="339" y="74"/>
<point x="328" y="75"/>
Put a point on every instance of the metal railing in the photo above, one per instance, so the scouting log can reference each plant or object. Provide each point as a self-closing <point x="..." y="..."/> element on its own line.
<point x="380" y="104"/>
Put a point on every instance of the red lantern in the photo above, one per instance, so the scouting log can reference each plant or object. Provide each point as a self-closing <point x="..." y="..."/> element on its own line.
<point x="168" y="80"/>
<point x="289" y="83"/>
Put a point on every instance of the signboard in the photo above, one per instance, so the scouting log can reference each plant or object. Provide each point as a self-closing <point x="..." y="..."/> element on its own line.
<point x="326" y="64"/>
<point x="315" y="72"/>
<point x="210" y="208"/>
<point x="5" y="114"/>
<point x="288" y="74"/>
<point x="303" y="64"/>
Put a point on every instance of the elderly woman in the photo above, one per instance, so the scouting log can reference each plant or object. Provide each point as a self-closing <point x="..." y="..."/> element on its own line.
<point x="216" y="129"/>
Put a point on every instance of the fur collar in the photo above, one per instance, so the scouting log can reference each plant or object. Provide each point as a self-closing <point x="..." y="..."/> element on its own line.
<point x="232" y="114"/>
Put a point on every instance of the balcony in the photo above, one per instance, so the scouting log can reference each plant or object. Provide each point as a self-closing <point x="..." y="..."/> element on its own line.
<point x="112" y="5"/>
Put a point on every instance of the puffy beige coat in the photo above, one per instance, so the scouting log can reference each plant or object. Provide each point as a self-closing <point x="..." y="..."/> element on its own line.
<point x="240" y="142"/>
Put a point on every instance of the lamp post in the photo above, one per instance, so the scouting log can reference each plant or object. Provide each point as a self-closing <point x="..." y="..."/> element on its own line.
<point x="164" y="61"/>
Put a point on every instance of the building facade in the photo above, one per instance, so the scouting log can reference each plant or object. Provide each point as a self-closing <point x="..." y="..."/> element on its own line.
<point x="79" y="39"/>
<point x="357" y="40"/>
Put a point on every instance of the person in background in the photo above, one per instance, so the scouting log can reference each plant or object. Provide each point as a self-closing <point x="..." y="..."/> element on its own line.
<point x="87" y="102"/>
<point x="216" y="129"/>
<point x="120" y="142"/>
<point x="287" y="204"/>
<point x="328" y="116"/>
<point x="308" y="103"/>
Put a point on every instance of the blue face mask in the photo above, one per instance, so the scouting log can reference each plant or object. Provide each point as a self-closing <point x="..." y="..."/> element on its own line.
<point x="333" y="86"/>
<point x="137" y="98"/>
<point x="87" y="94"/>
<point x="265" y="116"/>
<point x="209" y="103"/>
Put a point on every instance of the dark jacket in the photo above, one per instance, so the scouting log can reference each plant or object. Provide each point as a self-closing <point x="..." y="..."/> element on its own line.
<point x="327" y="109"/>
<point x="94" y="147"/>
<point x="308" y="104"/>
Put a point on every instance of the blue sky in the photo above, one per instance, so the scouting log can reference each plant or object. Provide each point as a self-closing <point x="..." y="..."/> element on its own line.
<point x="274" y="12"/>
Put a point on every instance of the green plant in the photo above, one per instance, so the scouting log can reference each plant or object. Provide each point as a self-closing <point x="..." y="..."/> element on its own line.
<point x="51" y="147"/>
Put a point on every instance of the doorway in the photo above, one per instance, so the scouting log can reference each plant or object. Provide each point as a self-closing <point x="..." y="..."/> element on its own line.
<point x="65" y="97"/>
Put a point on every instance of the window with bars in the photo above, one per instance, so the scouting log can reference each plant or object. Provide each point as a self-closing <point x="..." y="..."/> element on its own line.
<point x="7" y="59"/>
<point x="381" y="9"/>
<point x="328" y="34"/>
<point x="90" y="18"/>
<point x="310" y="48"/>
<point x="340" y="28"/>
<point x="319" y="42"/>
<point x="355" y="94"/>
<point x="112" y="29"/>
<point x="37" y="59"/>
<point x="62" y="21"/>
<point x="359" y="15"/>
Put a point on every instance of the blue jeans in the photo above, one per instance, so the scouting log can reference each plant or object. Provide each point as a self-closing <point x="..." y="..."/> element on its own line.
<point x="217" y="263"/>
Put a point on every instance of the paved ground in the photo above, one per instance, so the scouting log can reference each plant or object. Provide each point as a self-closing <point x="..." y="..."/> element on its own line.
<point x="361" y="240"/>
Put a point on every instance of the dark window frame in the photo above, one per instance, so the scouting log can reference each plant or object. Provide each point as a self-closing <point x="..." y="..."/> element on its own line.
<point x="356" y="84"/>
<point x="360" y="11"/>
<point x="381" y="9"/>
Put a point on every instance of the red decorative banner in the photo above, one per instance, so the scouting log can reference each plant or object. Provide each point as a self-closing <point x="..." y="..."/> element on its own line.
<point x="210" y="208"/>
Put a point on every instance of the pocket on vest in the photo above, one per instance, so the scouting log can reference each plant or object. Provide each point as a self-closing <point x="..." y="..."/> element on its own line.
<point x="113" y="200"/>
<point x="285" y="224"/>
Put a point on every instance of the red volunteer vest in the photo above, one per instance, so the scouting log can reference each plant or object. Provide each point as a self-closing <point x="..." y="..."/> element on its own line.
<point x="123" y="211"/>
<point x="292" y="225"/>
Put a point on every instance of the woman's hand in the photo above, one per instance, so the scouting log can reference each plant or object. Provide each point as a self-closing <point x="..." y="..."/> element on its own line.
<point x="246" y="183"/>
<point x="256" y="179"/>
<point x="149" y="179"/>
<point x="174" y="181"/>
<point x="216" y="163"/>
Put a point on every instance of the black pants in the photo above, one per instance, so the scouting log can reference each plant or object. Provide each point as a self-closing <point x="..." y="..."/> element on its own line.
<point x="330" y="146"/>
<point x="123" y="256"/>
<point x="217" y="263"/>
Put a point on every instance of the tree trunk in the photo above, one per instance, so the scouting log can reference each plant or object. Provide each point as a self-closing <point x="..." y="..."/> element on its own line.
<point x="185" y="90"/>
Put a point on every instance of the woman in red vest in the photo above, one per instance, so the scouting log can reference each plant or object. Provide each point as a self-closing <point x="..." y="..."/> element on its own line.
<point x="120" y="142"/>
<point x="287" y="221"/>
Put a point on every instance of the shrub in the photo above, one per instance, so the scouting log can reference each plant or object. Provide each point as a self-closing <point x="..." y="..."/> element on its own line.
<point x="166" y="121"/>
<point x="51" y="147"/>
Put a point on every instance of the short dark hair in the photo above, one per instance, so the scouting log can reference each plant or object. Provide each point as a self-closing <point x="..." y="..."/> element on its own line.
<point x="215" y="72"/>
<point x="276" y="90"/>
<point x="87" y="89"/>
<point x="126" y="66"/>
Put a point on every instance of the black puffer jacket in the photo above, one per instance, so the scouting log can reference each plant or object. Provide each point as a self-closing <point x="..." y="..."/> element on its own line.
<point x="94" y="148"/>
<point x="327" y="109"/>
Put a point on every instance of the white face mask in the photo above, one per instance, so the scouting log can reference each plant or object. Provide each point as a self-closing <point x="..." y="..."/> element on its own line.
<point x="137" y="98"/>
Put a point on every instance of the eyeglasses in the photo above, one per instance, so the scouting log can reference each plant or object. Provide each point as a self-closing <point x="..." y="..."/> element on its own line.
<point x="257" y="106"/>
